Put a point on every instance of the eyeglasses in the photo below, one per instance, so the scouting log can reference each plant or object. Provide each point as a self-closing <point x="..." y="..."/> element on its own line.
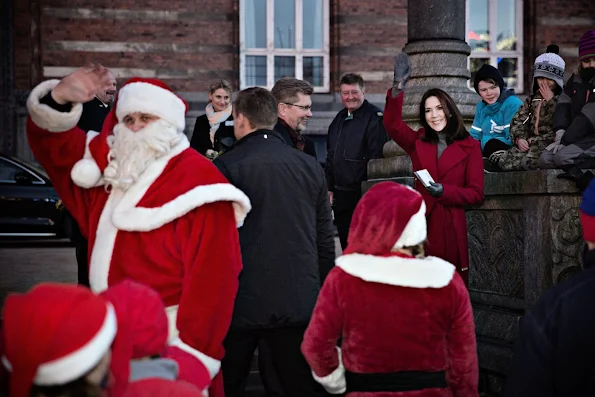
<point x="304" y="108"/>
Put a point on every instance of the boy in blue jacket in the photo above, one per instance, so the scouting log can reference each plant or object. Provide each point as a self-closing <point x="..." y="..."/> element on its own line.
<point x="493" y="115"/>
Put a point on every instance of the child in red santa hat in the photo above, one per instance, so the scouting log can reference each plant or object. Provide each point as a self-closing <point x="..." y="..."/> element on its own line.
<point x="405" y="319"/>
<point x="56" y="341"/>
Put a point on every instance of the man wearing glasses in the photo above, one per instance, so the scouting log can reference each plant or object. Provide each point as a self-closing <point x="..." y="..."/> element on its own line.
<point x="355" y="136"/>
<point x="294" y="109"/>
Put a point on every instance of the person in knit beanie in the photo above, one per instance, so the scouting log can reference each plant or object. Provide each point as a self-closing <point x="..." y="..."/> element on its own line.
<point x="493" y="115"/>
<point x="400" y="314"/>
<point x="554" y="350"/>
<point x="531" y="127"/>
<point x="573" y="149"/>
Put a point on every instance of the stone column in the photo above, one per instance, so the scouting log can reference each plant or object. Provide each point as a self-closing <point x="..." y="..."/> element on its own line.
<point x="438" y="52"/>
<point x="8" y="124"/>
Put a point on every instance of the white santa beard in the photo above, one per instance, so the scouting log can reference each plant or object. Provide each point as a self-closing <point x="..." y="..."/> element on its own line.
<point x="132" y="152"/>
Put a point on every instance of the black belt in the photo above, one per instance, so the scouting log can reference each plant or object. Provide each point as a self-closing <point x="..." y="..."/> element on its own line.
<point x="394" y="381"/>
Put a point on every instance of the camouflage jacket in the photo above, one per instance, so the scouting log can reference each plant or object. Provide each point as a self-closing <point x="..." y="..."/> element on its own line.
<point x="523" y="122"/>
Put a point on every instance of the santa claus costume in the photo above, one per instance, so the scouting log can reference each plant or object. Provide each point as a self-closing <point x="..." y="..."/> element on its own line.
<point x="406" y="322"/>
<point x="56" y="336"/>
<point x="170" y="223"/>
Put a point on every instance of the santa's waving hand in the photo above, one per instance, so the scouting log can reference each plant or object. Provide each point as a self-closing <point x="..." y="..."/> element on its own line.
<point x="153" y="209"/>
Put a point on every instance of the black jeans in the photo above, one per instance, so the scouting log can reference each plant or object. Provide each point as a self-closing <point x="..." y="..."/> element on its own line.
<point x="290" y="365"/>
<point x="343" y="207"/>
<point x="494" y="145"/>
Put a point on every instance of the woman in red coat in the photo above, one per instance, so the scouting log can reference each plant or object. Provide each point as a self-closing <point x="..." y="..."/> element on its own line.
<point x="405" y="319"/>
<point x="452" y="157"/>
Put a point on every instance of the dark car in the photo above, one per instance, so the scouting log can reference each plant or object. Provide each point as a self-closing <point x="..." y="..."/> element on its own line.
<point x="29" y="205"/>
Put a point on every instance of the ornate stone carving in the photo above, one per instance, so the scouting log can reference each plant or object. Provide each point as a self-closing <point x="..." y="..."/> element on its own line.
<point x="567" y="241"/>
<point x="496" y="239"/>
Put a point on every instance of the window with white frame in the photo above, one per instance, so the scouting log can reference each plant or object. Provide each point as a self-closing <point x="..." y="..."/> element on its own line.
<point x="280" y="38"/>
<point x="495" y="35"/>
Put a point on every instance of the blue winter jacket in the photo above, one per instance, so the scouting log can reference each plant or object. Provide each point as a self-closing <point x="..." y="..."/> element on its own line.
<point x="493" y="121"/>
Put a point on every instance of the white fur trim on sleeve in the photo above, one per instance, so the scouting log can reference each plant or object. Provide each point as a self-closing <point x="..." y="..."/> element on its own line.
<point x="429" y="272"/>
<point x="47" y="118"/>
<point x="140" y="219"/>
<point x="334" y="383"/>
<point x="212" y="365"/>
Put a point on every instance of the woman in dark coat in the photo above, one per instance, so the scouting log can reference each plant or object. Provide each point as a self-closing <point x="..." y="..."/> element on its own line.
<point x="453" y="159"/>
<point x="213" y="131"/>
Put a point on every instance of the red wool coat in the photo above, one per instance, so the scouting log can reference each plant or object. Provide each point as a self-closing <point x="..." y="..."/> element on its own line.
<point x="394" y="314"/>
<point x="174" y="230"/>
<point x="459" y="169"/>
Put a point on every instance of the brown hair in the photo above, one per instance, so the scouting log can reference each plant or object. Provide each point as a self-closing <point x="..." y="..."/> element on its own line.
<point x="220" y="83"/>
<point x="287" y="89"/>
<point x="352" y="79"/>
<point x="258" y="105"/>
<point x="455" y="128"/>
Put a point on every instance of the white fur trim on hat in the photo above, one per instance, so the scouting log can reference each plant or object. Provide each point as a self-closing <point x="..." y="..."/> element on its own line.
<point x="47" y="118"/>
<point x="429" y="272"/>
<point x="212" y="365"/>
<point x="85" y="172"/>
<point x="149" y="98"/>
<point x="74" y="365"/>
<point x="335" y="382"/>
<point x="415" y="231"/>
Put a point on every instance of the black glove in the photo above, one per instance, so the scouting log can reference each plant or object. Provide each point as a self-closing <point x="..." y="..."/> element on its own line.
<point x="402" y="69"/>
<point x="435" y="189"/>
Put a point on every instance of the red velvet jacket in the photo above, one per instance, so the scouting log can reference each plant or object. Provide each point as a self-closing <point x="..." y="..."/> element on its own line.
<point x="394" y="314"/>
<point x="459" y="169"/>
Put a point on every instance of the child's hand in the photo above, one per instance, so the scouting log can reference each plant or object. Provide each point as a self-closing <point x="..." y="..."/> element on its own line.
<point x="522" y="144"/>
<point x="545" y="90"/>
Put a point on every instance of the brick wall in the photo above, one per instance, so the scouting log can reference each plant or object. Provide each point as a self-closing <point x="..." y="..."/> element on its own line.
<point x="561" y="22"/>
<point x="186" y="43"/>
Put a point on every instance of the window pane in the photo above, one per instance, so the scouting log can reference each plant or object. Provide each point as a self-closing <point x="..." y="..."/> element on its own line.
<point x="478" y="35"/>
<point x="508" y="69"/>
<point x="256" y="71"/>
<point x="284" y="67"/>
<point x="312" y="17"/>
<point x="474" y="65"/>
<point x="255" y="28"/>
<point x="313" y="70"/>
<point x="284" y="24"/>
<point x="506" y="30"/>
<point x="8" y="171"/>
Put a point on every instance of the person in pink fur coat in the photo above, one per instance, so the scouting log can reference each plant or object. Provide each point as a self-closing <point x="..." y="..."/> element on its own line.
<point x="405" y="319"/>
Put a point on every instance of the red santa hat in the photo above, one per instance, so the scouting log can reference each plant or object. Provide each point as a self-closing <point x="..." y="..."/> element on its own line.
<point x="54" y="334"/>
<point x="142" y="95"/>
<point x="388" y="216"/>
<point x="142" y="328"/>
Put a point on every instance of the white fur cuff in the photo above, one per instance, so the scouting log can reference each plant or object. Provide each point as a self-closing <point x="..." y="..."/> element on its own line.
<point x="334" y="383"/>
<point x="212" y="365"/>
<point x="47" y="118"/>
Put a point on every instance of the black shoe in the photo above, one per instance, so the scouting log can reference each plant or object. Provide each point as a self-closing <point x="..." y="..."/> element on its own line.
<point x="584" y="180"/>
<point x="573" y="174"/>
<point x="489" y="166"/>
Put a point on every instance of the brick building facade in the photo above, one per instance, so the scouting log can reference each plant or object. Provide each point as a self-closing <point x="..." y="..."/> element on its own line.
<point x="189" y="42"/>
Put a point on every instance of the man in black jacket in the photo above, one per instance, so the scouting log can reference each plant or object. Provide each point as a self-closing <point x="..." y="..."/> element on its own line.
<point x="355" y="136"/>
<point x="287" y="247"/>
<point x="294" y="109"/>
<point x="94" y="113"/>
<point x="553" y="355"/>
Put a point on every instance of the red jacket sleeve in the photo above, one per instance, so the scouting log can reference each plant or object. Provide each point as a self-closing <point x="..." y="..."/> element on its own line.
<point x="58" y="144"/>
<point x="462" y="374"/>
<point x="326" y="324"/>
<point x="210" y="249"/>
<point x="472" y="193"/>
<point x="394" y="125"/>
